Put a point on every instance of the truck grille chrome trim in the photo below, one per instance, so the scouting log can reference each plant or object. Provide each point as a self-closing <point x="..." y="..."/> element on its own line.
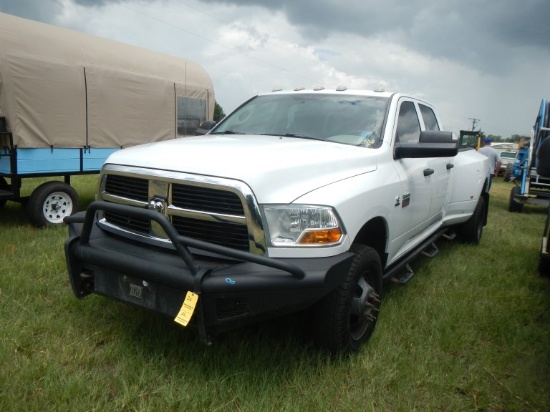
<point x="215" y="210"/>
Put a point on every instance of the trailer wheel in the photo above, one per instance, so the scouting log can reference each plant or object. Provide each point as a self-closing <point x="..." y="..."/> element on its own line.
<point x="3" y="186"/>
<point x="51" y="202"/>
<point x="471" y="230"/>
<point x="346" y="318"/>
<point x="514" y="205"/>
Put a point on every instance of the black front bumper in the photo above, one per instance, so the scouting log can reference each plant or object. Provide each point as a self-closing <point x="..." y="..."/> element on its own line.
<point x="235" y="288"/>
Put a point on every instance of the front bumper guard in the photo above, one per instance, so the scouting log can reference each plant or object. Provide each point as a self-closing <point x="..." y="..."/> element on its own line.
<point x="235" y="288"/>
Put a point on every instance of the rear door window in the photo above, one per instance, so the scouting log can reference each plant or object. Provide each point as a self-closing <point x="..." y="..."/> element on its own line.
<point x="430" y="121"/>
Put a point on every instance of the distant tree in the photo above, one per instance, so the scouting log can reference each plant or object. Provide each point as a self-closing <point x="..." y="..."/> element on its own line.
<point x="218" y="113"/>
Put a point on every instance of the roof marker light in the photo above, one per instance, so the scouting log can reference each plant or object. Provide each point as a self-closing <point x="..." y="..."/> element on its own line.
<point x="341" y="88"/>
<point x="318" y="88"/>
<point x="297" y="89"/>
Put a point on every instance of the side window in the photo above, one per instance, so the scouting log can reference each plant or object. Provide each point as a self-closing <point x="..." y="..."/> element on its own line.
<point x="428" y="115"/>
<point x="408" y="126"/>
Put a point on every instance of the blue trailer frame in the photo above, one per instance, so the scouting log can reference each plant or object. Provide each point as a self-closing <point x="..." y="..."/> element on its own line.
<point x="17" y="164"/>
<point x="68" y="100"/>
<point x="530" y="186"/>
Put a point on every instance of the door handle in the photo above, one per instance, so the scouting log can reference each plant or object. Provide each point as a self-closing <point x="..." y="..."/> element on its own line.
<point x="450" y="166"/>
<point x="428" y="172"/>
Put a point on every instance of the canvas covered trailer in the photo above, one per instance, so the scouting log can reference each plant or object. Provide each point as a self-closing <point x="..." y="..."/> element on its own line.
<point x="68" y="100"/>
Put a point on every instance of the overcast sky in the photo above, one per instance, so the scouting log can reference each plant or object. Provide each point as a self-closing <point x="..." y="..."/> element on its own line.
<point x="473" y="59"/>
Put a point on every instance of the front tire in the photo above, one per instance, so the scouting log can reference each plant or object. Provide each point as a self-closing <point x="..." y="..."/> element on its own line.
<point x="345" y="319"/>
<point x="51" y="202"/>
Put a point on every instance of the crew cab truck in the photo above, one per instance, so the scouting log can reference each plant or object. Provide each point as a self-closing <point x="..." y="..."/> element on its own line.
<point x="298" y="199"/>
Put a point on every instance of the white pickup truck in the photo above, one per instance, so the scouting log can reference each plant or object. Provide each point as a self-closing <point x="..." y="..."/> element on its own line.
<point x="307" y="199"/>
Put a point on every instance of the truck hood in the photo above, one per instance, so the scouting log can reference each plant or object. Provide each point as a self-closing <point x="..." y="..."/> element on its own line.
<point x="277" y="169"/>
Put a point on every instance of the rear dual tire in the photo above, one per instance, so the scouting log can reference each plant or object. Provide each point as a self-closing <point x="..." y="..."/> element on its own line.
<point x="472" y="230"/>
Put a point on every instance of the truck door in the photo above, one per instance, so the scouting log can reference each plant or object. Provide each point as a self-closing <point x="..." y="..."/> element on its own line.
<point x="413" y="203"/>
<point x="439" y="180"/>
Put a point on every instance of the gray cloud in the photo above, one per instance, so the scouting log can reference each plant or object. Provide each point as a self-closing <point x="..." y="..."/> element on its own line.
<point x="485" y="59"/>
<point x="41" y="10"/>
<point x="489" y="36"/>
<point x="95" y="3"/>
<point x="268" y="4"/>
<point x="44" y="10"/>
<point x="472" y="32"/>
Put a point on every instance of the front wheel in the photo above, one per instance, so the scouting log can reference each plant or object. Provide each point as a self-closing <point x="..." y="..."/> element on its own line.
<point x="51" y="202"/>
<point x="346" y="318"/>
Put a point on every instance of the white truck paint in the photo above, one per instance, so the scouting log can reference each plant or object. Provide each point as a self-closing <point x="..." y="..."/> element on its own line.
<point x="344" y="186"/>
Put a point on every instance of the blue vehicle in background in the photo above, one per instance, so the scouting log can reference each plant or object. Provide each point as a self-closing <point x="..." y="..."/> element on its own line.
<point x="531" y="186"/>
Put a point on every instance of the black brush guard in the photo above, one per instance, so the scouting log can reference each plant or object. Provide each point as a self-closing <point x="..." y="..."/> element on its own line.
<point x="235" y="288"/>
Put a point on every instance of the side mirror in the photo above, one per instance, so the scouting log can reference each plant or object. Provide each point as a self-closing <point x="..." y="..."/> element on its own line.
<point x="430" y="144"/>
<point x="437" y="136"/>
<point x="205" y="127"/>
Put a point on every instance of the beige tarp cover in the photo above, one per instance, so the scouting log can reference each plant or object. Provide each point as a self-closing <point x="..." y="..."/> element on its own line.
<point x="60" y="88"/>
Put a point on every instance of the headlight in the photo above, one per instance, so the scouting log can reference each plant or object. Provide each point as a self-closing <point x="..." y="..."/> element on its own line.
<point x="297" y="225"/>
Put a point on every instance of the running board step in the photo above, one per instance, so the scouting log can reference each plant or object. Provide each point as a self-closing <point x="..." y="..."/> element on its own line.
<point x="430" y="251"/>
<point x="405" y="278"/>
<point x="449" y="235"/>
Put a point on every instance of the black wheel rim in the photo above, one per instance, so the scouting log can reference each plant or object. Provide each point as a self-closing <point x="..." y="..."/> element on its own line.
<point x="364" y="308"/>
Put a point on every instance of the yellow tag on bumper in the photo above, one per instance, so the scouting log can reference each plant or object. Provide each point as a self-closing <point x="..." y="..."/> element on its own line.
<point x="187" y="309"/>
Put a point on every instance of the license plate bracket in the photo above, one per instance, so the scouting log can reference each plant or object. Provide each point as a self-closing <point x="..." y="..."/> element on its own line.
<point x="138" y="291"/>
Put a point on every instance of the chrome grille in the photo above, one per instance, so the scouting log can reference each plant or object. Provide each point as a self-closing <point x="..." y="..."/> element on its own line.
<point x="217" y="211"/>
<point x="206" y="200"/>
<point x="221" y="233"/>
<point x="126" y="186"/>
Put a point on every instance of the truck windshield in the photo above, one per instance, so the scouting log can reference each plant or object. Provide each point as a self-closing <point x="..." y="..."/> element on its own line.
<point x="348" y="119"/>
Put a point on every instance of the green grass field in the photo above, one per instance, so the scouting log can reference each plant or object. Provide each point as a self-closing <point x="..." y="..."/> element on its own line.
<point x="469" y="332"/>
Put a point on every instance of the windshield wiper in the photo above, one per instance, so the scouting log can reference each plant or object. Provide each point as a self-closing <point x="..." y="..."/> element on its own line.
<point x="301" y="136"/>
<point x="228" y="132"/>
